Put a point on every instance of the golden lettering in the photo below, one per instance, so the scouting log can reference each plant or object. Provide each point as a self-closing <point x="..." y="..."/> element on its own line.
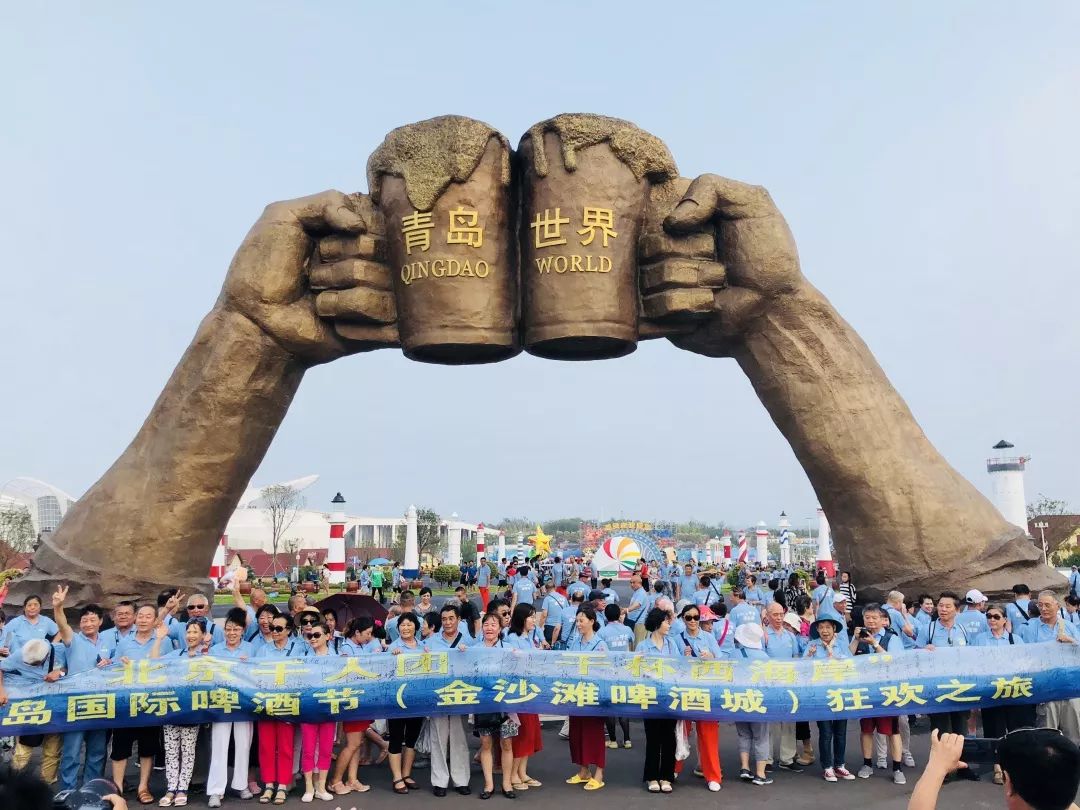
<point x="446" y="268"/>
<point x="438" y="267"/>
<point x="481" y="263"/>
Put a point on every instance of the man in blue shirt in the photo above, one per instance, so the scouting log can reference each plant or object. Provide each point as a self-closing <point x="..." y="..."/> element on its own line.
<point x="581" y="586"/>
<point x="1018" y="610"/>
<point x="617" y="636"/>
<point x="524" y="590"/>
<point x="899" y="620"/>
<point x="871" y="639"/>
<point x="638" y="607"/>
<point x="558" y="573"/>
<point x="198" y="607"/>
<point x="973" y="618"/>
<point x="686" y="582"/>
<point x="567" y="629"/>
<point x="1074" y="581"/>
<point x="85" y="651"/>
<point x="1050" y="626"/>
<point x="741" y="611"/>
<point x="780" y="643"/>
<point x="483" y="582"/>
<point x="553" y="606"/>
<point x="610" y="594"/>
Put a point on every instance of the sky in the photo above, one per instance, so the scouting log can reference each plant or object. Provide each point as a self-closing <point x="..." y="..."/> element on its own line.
<point x="924" y="154"/>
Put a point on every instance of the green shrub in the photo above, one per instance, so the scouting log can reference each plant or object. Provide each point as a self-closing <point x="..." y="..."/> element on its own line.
<point x="447" y="574"/>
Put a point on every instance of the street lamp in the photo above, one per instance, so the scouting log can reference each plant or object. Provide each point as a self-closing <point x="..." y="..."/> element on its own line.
<point x="1042" y="526"/>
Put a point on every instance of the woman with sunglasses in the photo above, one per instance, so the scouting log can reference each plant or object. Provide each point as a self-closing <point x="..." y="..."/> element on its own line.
<point x="239" y="732"/>
<point x="264" y="619"/>
<point x="276" y="736"/>
<point x="317" y="739"/>
<point x="698" y="643"/>
<point x="999" y="720"/>
<point x="488" y="727"/>
<point x="304" y="620"/>
<point x="359" y="640"/>
<point x="179" y="740"/>
<point x="405" y="731"/>
<point x="522" y="636"/>
<point x="587" y="733"/>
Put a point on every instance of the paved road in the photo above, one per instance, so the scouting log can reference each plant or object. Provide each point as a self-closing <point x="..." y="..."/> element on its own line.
<point x="624" y="789"/>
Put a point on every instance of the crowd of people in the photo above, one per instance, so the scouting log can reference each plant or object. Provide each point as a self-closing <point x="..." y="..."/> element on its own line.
<point x="672" y="610"/>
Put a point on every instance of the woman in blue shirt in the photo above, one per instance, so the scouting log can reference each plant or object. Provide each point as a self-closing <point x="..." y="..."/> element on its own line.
<point x="659" y="734"/>
<point x="276" y="736"/>
<point x="1000" y="720"/>
<point x="30" y="625"/>
<point x="180" y="740"/>
<point x="700" y="643"/>
<point x="404" y="731"/>
<point x="488" y="726"/>
<point x="587" y="733"/>
<point x="522" y="636"/>
<point x="827" y="642"/>
<point x="359" y="640"/>
<point x="235" y="647"/>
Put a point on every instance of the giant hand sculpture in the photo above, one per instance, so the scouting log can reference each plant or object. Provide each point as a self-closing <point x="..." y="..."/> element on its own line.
<point x="719" y="276"/>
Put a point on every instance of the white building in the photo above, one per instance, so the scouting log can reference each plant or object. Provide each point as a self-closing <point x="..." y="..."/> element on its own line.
<point x="47" y="504"/>
<point x="1006" y="471"/>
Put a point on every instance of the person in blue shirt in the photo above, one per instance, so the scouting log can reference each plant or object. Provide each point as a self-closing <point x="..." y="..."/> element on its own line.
<point x="826" y="644"/>
<point x="1071" y="613"/>
<point x="618" y="638"/>
<point x="754" y="738"/>
<point x="360" y="637"/>
<point x="524" y="590"/>
<point x="820" y="594"/>
<point x="263" y="621"/>
<point x="31" y="624"/>
<point x="925" y="612"/>
<point x="1074" y="581"/>
<point x="566" y="631"/>
<point x="198" y="607"/>
<point x="686" y="583"/>
<point x="553" y="606"/>
<point x="721" y="627"/>
<point x="710" y="591"/>
<point x="1050" y="626"/>
<point x="1019" y="609"/>
<point x="404" y="731"/>
<point x="1000" y="720"/>
<point x="123" y="618"/>
<point x="521" y="636"/>
<point x="899" y="620"/>
<point x="483" y="583"/>
<point x="972" y="619"/>
<point x="36" y="661"/>
<point x="580" y="586"/>
<point x="874" y="638"/>
<point x="741" y="611"/>
<point x="756" y="595"/>
<point x="586" y="732"/>
<point x="610" y="594"/>
<point x="781" y="642"/>
<point x="638" y="607"/>
<point x="85" y="652"/>
<point x="234" y="647"/>
<point x="449" y="751"/>
<point x="659" y="733"/>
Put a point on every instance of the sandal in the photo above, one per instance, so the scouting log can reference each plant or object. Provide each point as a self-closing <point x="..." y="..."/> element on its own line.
<point x="410" y="784"/>
<point x="281" y="795"/>
<point x="339" y="789"/>
<point x="403" y="790"/>
<point x="576" y="779"/>
<point x="145" y="796"/>
<point x="665" y="786"/>
<point x="654" y="786"/>
<point x="534" y="783"/>
<point x="594" y="784"/>
<point x="181" y="799"/>
<point x="167" y="799"/>
<point x="358" y="787"/>
<point x="267" y="795"/>
<point x="520" y="786"/>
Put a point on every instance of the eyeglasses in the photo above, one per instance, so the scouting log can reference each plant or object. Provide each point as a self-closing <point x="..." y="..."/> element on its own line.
<point x="278" y="628"/>
<point x="203" y="606"/>
<point x="994" y="616"/>
<point x="691" y="618"/>
<point x="308" y="620"/>
<point x="314" y="635"/>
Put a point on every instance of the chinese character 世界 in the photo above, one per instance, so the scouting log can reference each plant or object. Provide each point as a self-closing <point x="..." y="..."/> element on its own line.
<point x="225" y="701"/>
<point x="597" y="219"/>
<point x="155" y="704"/>
<point x="955" y="692"/>
<point x="579" y="693"/>
<point x="458" y="693"/>
<point x="714" y="671"/>
<point x="277" y="704"/>
<point x="773" y="672"/>
<point x="209" y="670"/>
<point x="137" y="673"/>
<point x="584" y="661"/>
<point x="437" y="663"/>
<point x="463" y="228"/>
<point x="690" y="699"/>
<point x="902" y="694"/>
<point x="91" y="707"/>
<point x="27" y="713"/>
<point x="416" y="228"/>
<point x="840" y="699"/>
<point x="506" y="690"/>
<point x="634" y="694"/>
<point x="346" y="699"/>
<point x="1015" y="687"/>
<point x="547" y="230"/>
<point x="833" y="670"/>
<point x="743" y="700"/>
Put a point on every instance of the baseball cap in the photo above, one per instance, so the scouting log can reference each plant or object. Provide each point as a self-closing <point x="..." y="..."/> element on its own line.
<point x="594" y="595"/>
<point x="975" y="597"/>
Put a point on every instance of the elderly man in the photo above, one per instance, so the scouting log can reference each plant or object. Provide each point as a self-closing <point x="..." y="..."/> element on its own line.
<point x="899" y="620"/>
<point x="1051" y="628"/>
<point x="781" y="643"/>
<point x="36" y="661"/>
<point x="638" y="607"/>
<point x="198" y="607"/>
<point x="449" y="751"/>
<point x="874" y="638"/>
<point x="258" y="599"/>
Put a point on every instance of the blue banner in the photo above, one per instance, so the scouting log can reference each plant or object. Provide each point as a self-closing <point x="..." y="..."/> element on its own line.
<point x="199" y="690"/>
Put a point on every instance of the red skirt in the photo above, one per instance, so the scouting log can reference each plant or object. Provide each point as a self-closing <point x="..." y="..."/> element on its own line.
<point x="587" y="741"/>
<point x="528" y="740"/>
<point x="353" y="726"/>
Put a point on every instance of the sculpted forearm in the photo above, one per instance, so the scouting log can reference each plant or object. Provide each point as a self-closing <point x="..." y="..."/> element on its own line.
<point x="870" y="463"/>
<point x="163" y="503"/>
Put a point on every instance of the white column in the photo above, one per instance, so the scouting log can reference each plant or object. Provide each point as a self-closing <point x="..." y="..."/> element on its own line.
<point x="453" y="541"/>
<point x="502" y="546"/>
<point x="762" y="536"/>
<point x="824" y="549"/>
<point x="411" y="564"/>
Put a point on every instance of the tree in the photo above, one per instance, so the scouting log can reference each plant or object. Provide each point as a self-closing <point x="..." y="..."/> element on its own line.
<point x="17" y="528"/>
<point x="428" y="534"/>
<point x="1046" y="506"/>
<point x="283" y="505"/>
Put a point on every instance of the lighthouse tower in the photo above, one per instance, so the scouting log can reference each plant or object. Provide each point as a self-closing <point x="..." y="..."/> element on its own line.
<point x="762" y="537"/>
<point x="1006" y="470"/>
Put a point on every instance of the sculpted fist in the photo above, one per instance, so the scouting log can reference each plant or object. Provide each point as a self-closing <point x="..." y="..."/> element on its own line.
<point x="756" y="263"/>
<point x="299" y="247"/>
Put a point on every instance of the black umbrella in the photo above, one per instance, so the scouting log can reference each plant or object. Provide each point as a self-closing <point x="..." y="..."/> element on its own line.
<point x="348" y="606"/>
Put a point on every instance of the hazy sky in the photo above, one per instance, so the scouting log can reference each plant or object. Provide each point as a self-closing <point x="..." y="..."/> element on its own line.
<point x="925" y="155"/>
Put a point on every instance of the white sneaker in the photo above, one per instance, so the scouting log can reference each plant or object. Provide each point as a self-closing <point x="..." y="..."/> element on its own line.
<point x="844" y="773"/>
<point x="246" y="794"/>
<point x="324" y="796"/>
<point x="307" y="797"/>
<point x="213" y="801"/>
<point x="898" y="778"/>
<point x="865" y="772"/>
<point x="829" y="775"/>
<point x="909" y="760"/>
<point x="714" y="787"/>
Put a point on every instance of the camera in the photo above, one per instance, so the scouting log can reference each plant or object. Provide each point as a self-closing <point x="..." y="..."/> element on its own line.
<point x="90" y="796"/>
<point x="864" y="633"/>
